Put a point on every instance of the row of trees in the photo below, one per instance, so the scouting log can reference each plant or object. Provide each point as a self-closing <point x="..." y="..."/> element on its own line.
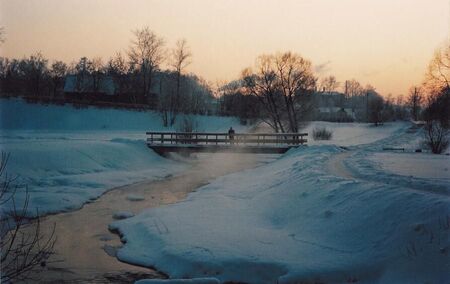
<point x="137" y="77"/>
<point x="282" y="90"/>
<point x="436" y="112"/>
<point x="31" y="75"/>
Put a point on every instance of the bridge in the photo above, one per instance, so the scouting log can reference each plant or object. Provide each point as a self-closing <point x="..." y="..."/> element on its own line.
<point x="203" y="142"/>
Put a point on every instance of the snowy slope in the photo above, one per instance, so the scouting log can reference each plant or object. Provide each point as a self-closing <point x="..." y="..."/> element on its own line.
<point x="352" y="134"/>
<point x="62" y="174"/>
<point x="292" y="221"/>
<point x="414" y="164"/>
<point x="16" y="114"/>
<point x="68" y="156"/>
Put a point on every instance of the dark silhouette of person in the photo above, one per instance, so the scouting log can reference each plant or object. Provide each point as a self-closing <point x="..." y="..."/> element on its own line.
<point x="231" y="135"/>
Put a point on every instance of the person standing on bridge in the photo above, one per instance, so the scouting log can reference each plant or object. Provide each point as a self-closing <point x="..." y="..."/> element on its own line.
<point x="231" y="135"/>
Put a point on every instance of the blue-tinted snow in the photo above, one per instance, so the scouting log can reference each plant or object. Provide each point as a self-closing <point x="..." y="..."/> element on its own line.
<point x="67" y="156"/>
<point x="291" y="221"/>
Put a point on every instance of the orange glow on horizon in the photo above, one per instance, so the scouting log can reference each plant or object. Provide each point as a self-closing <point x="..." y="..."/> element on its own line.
<point x="385" y="43"/>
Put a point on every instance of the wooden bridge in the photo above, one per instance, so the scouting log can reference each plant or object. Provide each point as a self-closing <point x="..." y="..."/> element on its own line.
<point x="187" y="142"/>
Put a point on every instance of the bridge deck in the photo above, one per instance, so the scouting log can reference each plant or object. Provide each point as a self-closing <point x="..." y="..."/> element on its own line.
<point x="275" y="143"/>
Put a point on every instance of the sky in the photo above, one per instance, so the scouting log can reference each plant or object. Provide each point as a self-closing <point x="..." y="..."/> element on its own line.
<point x="385" y="43"/>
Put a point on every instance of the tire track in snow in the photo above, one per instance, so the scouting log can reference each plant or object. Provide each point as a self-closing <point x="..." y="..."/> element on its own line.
<point x="336" y="166"/>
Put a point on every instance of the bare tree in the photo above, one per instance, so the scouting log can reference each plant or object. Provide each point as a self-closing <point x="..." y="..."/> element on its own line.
<point x="81" y="69"/>
<point x="57" y="73"/>
<point x="146" y="54"/>
<point x="438" y="73"/>
<point x="415" y="100"/>
<point x="262" y="83"/>
<point x="295" y="79"/>
<point x="437" y="110"/>
<point x="353" y="88"/>
<point x="282" y="82"/>
<point x="118" y="68"/>
<point x="35" y="69"/>
<point x="437" y="121"/>
<point x="25" y="249"/>
<point x="436" y="136"/>
<point x="96" y="69"/>
<point x="329" y="84"/>
<point x="118" y="64"/>
<point x="375" y="108"/>
<point x="180" y="59"/>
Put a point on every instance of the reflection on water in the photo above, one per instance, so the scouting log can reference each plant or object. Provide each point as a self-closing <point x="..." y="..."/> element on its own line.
<point x="85" y="249"/>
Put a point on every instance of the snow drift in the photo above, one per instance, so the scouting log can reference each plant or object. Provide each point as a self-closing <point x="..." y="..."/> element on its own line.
<point x="290" y="221"/>
<point x="67" y="156"/>
<point x="17" y="114"/>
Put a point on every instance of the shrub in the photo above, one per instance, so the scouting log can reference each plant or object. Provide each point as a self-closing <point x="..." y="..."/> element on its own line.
<point x="24" y="247"/>
<point x="436" y="136"/>
<point x="437" y="121"/>
<point x="188" y="124"/>
<point x="322" y="133"/>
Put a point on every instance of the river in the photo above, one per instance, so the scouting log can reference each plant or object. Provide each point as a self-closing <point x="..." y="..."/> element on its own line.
<point x="85" y="248"/>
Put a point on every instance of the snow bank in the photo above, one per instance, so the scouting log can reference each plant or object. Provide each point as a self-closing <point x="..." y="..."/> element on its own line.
<point x="122" y="215"/>
<point x="352" y="134"/>
<point x="63" y="174"/>
<point x="67" y="156"/>
<point x="290" y="221"/>
<point x="418" y="171"/>
<point x="17" y="114"/>
<point x="419" y="165"/>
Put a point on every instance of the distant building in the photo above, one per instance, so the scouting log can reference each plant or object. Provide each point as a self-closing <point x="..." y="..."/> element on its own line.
<point x="333" y="106"/>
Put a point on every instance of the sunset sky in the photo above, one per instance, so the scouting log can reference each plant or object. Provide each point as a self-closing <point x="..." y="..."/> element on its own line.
<point x="386" y="43"/>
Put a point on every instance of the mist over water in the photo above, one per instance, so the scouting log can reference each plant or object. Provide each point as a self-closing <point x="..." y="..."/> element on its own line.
<point x="85" y="250"/>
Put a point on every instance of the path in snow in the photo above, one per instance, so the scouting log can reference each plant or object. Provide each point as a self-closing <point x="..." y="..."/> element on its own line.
<point x="420" y="172"/>
<point x="85" y="249"/>
<point x="336" y="165"/>
<point x="294" y="220"/>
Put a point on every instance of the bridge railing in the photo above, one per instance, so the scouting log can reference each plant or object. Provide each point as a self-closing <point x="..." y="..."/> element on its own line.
<point x="211" y="138"/>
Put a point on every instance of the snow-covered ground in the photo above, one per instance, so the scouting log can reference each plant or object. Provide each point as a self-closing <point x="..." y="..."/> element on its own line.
<point x="292" y="220"/>
<point x="351" y="134"/>
<point x="16" y="114"/>
<point x="382" y="217"/>
<point x="68" y="156"/>
<point x="415" y="164"/>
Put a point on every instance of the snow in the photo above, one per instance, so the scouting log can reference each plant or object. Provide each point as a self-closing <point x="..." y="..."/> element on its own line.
<point x="134" y="197"/>
<point x="381" y="217"/>
<point x="67" y="157"/>
<point x="293" y="221"/>
<point x="419" y="165"/>
<point x="352" y="134"/>
<point x="19" y="115"/>
<point x="122" y="215"/>
<point x="62" y="173"/>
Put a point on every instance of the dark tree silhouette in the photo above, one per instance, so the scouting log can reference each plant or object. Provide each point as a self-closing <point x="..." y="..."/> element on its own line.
<point x="376" y="105"/>
<point x="146" y="53"/>
<point x="415" y="100"/>
<point x="24" y="247"/>
<point x="438" y="74"/>
<point x="57" y="73"/>
<point x="283" y="83"/>
<point x="181" y="56"/>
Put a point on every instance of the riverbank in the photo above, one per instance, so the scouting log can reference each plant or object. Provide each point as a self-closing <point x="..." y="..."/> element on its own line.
<point x="85" y="248"/>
